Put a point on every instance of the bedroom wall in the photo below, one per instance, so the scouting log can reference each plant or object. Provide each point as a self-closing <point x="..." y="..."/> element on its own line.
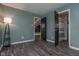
<point x="21" y="27"/>
<point x="50" y="25"/>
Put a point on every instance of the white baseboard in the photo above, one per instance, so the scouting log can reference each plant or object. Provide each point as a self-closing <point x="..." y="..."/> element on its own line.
<point x="50" y="41"/>
<point x="22" y="41"/>
<point x="75" y="48"/>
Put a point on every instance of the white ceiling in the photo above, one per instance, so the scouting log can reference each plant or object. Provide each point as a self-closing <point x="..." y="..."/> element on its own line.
<point x="37" y="8"/>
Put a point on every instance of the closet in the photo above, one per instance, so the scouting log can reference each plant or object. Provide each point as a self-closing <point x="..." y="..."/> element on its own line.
<point x="63" y="27"/>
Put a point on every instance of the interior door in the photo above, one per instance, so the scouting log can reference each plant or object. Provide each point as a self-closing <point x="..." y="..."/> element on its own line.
<point x="43" y="28"/>
<point x="56" y="28"/>
<point x="67" y="28"/>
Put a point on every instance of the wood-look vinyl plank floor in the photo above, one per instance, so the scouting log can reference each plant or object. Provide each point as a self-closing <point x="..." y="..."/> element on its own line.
<point x="40" y="48"/>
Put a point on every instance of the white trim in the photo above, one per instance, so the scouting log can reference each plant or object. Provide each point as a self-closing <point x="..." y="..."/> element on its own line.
<point x="69" y="23"/>
<point x="63" y="11"/>
<point x="22" y="41"/>
<point x="75" y="48"/>
<point x="50" y="41"/>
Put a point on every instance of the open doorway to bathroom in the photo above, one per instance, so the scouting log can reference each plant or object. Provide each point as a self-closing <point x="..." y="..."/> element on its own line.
<point x="37" y="28"/>
<point x="40" y="29"/>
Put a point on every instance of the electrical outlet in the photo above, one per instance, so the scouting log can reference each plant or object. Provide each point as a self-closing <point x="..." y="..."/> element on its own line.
<point x="22" y="37"/>
<point x="32" y="25"/>
<point x="52" y="37"/>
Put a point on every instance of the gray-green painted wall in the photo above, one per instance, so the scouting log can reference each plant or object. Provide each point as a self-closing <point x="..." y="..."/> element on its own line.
<point x="74" y="23"/>
<point x="50" y="25"/>
<point x="21" y="23"/>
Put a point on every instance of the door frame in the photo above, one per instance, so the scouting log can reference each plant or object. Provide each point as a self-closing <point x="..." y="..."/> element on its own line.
<point x="34" y="27"/>
<point x="67" y="10"/>
<point x="56" y="28"/>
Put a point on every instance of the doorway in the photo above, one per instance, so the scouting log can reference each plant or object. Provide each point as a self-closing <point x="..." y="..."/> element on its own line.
<point x="63" y="38"/>
<point x="40" y="29"/>
<point x="37" y="28"/>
